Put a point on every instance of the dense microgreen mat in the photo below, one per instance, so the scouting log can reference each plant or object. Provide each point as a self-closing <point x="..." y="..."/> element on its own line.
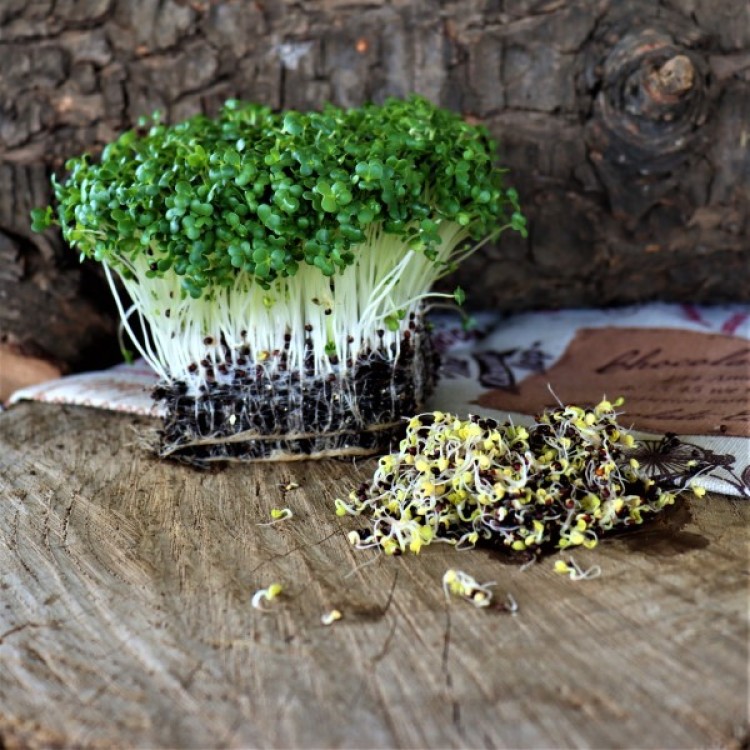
<point x="280" y="265"/>
<point x="262" y="193"/>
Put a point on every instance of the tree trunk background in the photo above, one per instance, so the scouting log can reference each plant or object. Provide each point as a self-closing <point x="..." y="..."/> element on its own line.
<point x="626" y="127"/>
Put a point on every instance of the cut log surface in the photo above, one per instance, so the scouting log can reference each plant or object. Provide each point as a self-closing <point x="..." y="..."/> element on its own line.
<point x="125" y="615"/>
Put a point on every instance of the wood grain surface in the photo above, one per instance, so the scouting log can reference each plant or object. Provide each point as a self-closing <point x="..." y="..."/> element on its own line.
<point x="125" y="617"/>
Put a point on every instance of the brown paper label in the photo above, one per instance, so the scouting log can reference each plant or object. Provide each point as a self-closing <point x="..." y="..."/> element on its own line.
<point x="677" y="381"/>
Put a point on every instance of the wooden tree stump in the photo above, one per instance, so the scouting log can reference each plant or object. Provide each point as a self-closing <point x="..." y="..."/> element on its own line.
<point x="126" y="617"/>
<point x="624" y="125"/>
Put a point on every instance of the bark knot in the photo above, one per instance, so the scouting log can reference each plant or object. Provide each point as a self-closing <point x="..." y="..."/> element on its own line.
<point x="649" y="81"/>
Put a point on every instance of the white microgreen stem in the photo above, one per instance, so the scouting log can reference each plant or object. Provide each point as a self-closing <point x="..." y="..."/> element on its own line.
<point x="368" y="306"/>
<point x="146" y="352"/>
<point x="511" y="605"/>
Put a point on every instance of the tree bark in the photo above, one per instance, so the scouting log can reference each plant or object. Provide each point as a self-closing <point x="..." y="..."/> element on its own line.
<point x="625" y="126"/>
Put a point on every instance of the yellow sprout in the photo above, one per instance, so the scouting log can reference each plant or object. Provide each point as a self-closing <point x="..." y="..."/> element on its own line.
<point x="330" y="617"/>
<point x="464" y="586"/>
<point x="353" y="538"/>
<point x="698" y="491"/>
<point x="277" y="515"/>
<point x="269" y="594"/>
<point x="575" y="572"/>
<point x="342" y="508"/>
<point x="602" y="407"/>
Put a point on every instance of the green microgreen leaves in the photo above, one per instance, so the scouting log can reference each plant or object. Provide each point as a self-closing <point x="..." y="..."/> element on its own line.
<point x="293" y="123"/>
<point x="41" y="219"/>
<point x="393" y="321"/>
<point x="295" y="186"/>
<point x="370" y="171"/>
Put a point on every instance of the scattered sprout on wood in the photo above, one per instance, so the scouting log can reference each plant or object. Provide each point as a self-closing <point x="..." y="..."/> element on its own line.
<point x="280" y="258"/>
<point x="460" y="584"/>
<point x="330" y="617"/>
<point x="278" y="515"/>
<point x="562" y="483"/>
<point x="267" y="594"/>
<point x="575" y="572"/>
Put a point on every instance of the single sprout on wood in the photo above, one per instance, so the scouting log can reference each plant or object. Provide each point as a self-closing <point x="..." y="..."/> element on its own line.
<point x="575" y="572"/>
<point x="278" y="515"/>
<point x="458" y="583"/>
<point x="280" y="265"/>
<point x="268" y="594"/>
<point x="330" y="617"/>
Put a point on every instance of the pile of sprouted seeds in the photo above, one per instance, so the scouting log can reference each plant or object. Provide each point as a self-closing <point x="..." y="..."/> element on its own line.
<point x="559" y="484"/>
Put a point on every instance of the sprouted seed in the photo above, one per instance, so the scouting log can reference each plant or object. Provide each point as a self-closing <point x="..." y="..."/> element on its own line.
<point x="559" y="484"/>
<point x="574" y="571"/>
<point x="290" y="486"/>
<point x="268" y="594"/>
<point x="460" y="584"/>
<point x="698" y="491"/>
<point x="277" y="516"/>
<point x="330" y="617"/>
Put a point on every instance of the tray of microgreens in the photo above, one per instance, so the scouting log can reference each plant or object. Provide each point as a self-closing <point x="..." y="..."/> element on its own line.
<point x="275" y="269"/>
